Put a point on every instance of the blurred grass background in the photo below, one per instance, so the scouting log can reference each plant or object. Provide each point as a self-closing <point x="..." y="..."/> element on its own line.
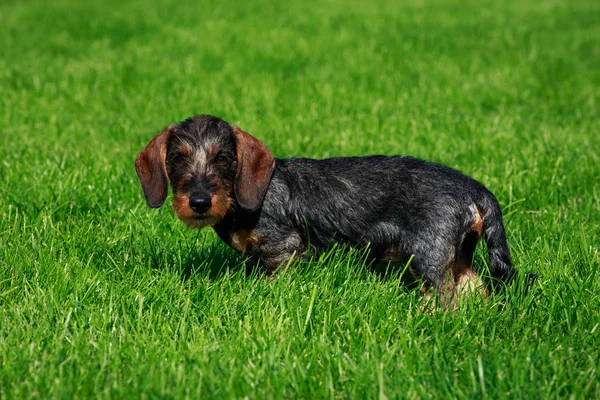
<point x="102" y="297"/>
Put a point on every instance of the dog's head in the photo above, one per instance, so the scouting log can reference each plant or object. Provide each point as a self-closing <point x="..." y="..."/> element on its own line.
<point x="212" y="166"/>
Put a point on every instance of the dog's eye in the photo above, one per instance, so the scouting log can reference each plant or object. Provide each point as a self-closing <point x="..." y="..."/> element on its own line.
<point x="221" y="158"/>
<point x="178" y="158"/>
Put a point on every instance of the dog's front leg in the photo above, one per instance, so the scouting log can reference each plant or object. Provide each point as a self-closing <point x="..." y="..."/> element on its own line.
<point x="278" y="252"/>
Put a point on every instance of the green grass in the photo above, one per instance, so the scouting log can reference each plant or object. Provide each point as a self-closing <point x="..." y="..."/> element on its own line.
<point x="102" y="297"/>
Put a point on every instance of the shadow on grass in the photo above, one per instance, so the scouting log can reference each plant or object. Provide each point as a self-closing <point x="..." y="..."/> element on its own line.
<point x="213" y="262"/>
<point x="211" y="258"/>
<point x="205" y="258"/>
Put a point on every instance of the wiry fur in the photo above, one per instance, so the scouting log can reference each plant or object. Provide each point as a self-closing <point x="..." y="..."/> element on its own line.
<point x="399" y="206"/>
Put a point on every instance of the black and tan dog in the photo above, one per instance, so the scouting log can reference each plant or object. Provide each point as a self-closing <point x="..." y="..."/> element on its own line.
<point x="272" y="209"/>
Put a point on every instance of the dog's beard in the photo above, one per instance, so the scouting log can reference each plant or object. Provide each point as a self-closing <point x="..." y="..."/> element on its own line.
<point x="200" y="222"/>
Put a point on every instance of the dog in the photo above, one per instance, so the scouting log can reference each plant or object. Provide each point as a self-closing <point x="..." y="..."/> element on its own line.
<point x="273" y="209"/>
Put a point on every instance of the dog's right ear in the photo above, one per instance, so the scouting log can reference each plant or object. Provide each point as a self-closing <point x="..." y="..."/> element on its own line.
<point x="151" y="169"/>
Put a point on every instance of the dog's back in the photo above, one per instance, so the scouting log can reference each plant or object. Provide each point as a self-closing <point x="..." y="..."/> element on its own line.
<point x="376" y="199"/>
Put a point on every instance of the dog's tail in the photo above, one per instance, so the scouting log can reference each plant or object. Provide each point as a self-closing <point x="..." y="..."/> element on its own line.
<point x="501" y="267"/>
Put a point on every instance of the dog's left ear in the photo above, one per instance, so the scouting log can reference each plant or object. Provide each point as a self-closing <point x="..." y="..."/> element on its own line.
<point x="255" y="167"/>
<point x="151" y="169"/>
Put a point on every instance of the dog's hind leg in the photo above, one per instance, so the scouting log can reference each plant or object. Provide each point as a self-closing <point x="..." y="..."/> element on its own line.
<point x="447" y="271"/>
<point x="466" y="279"/>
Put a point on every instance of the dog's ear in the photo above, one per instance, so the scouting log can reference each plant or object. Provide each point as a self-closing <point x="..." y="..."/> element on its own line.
<point x="255" y="167"/>
<point x="151" y="169"/>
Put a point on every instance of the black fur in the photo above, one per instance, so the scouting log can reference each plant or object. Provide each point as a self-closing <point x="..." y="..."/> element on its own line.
<point x="399" y="206"/>
<point x="411" y="206"/>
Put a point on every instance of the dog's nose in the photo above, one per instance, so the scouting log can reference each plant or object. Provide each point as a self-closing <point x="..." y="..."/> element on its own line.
<point x="200" y="204"/>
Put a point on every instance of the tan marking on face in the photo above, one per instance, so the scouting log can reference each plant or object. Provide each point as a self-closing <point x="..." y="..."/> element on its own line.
<point x="184" y="150"/>
<point x="183" y="211"/>
<point x="242" y="240"/>
<point x="181" y="207"/>
<point x="220" y="205"/>
<point x="181" y="201"/>
<point x="477" y="225"/>
<point x="213" y="150"/>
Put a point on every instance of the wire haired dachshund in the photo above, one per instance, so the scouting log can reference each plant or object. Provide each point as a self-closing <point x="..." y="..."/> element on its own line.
<point x="272" y="209"/>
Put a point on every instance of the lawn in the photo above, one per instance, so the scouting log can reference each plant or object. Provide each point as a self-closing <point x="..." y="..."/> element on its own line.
<point x="102" y="297"/>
